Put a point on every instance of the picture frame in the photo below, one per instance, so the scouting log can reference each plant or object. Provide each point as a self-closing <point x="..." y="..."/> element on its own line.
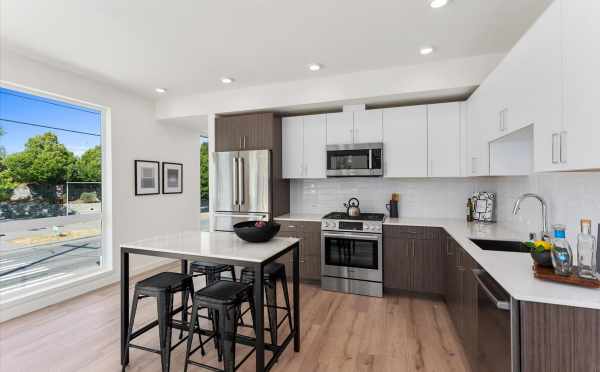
<point x="484" y="205"/>
<point x="172" y="178"/>
<point x="147" y="177"/>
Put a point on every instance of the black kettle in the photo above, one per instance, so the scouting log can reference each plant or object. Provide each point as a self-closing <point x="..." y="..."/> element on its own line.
<point x="352" y="209"/>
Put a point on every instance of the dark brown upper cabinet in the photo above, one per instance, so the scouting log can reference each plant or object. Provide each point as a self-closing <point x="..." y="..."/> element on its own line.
<point x="259" y="131"/>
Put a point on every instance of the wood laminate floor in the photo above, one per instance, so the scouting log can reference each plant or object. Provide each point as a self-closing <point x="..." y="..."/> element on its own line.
<point x="340" y="332"/>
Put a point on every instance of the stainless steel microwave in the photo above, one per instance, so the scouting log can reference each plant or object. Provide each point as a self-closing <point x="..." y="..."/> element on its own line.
<point x="355" y="160"/>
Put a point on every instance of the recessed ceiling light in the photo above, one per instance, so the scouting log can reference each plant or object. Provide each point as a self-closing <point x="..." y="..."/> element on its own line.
<point x="438" y="3"/>
<point x="426" y="50"/>
<point x="314" y="67"/>
<point x="226" y="80"/>
<point x="160" y="90"/>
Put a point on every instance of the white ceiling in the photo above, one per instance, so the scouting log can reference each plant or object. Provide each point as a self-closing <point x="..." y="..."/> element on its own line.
<point x="186" y="46"/>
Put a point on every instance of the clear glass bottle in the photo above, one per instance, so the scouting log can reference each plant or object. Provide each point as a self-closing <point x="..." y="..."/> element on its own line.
<point x="586" y="251"/>
<point x="562" y="255"/>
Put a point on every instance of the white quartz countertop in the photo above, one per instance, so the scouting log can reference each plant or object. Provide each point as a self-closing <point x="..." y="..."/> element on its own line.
<point x="300" y="217"/>
<point x="513" y="271"/>
<point x="218" y="245"/>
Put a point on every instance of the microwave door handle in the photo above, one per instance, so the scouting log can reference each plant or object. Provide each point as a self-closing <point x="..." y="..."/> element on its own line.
<point x="370" y="158"/>
<point x="501" y="305"/>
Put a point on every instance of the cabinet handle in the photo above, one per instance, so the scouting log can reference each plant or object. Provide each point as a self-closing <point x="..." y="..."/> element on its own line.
<point x="555" y="148"/>
<point x="291" y="226"/>
<point x="244" y="142"/>
<point x="563" y="147"/>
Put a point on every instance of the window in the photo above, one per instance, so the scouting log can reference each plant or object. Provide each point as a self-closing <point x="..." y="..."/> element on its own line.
<point x="204" y="183"/>
<point x="50" y="191"/>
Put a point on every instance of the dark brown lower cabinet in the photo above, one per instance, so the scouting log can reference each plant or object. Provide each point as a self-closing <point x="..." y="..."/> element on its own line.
<point x="397" y="265"/>
<point x="429" y="269"/>
<point x="461" y="297"/>
<point x="469" y="310"/>
<point x="413" y="259"/>
<point x="453" y="282"/>
<point x="559" y="338"/>
<point x="310" y="248"/>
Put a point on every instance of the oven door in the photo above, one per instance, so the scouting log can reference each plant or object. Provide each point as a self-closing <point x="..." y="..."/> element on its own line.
<point x="351" y="160"/>
<point x="351" y="255"/>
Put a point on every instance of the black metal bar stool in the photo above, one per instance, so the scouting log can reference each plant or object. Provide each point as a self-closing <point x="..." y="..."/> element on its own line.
<point x="272" y="272"/>
<point x="212" y="271"/>
<point x="224" y="299"/>
<point x="163" y="287"/>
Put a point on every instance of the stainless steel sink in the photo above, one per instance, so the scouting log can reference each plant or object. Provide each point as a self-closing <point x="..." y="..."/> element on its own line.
<point x="501" y="245"/>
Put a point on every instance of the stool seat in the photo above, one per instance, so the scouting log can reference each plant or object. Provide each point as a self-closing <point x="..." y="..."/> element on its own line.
<point x="222" y="292"/>
<point x="165" y="281"/>
<point x="208" y="266"/>
<point x="270" y="270"/>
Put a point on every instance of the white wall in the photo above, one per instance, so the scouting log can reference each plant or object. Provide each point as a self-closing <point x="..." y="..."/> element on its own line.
<point x="134" y="134"/>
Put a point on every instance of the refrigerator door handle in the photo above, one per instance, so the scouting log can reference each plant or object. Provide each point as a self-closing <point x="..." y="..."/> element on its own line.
<point x="241" y="181"/>
<point x="235" y="181"/>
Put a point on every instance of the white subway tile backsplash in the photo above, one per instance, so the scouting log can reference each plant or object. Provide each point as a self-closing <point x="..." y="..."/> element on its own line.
<point x="570" y="196"/>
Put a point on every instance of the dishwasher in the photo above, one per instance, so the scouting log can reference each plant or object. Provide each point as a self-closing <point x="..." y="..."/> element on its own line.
<point x="498" y="327"/>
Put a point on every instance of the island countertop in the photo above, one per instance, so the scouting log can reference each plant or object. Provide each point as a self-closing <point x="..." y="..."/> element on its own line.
<point x="218" y="245"/>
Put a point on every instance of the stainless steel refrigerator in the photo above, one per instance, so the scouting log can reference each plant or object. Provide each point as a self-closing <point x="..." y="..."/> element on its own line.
<point x="242" y="187"/>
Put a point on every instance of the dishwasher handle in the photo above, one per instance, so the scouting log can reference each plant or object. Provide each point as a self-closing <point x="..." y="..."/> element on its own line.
<point x="502" y="305"/>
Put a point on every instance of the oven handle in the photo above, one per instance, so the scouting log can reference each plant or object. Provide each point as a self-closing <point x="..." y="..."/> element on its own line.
<point x="502" y="305"/>
<point x="351" y="236"/>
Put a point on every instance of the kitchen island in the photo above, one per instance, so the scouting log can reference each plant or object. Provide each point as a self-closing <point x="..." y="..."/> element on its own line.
<point x="224" y="248"/>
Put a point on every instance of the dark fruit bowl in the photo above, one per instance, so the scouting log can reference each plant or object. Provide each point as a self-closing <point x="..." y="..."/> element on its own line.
<point x="256" y="231"/>
<point x="543" y="258"/>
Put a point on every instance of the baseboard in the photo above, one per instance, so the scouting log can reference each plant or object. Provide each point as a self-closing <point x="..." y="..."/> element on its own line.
<point x="65" y="291"/>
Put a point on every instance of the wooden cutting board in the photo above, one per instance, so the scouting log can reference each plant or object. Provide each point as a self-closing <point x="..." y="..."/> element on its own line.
<point x="547" y="273"/>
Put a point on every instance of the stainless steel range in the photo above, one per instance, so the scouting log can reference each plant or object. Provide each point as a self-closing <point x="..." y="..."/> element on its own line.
<point x="352" y="253"/>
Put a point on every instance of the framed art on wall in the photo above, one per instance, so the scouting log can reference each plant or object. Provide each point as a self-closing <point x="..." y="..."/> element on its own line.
<point x="484" y="204"/>
<point x="172" y="176"/>
<point x="147" y="179"/>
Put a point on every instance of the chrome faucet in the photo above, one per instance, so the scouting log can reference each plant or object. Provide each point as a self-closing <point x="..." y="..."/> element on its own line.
<point x="545" y="233"/>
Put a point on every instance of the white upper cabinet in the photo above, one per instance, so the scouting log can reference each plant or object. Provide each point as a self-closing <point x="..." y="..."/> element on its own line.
<point x="477" y="138"/>
<point x="444" y="139"/>
<point x="292" y="129"/>
<point x="368" y="126"/>
<point x="539" y="93"/>
<point x="340" y="128"/>
<point x="314" y="140"/>
<point x="303" y="142"/>
<point x="405" y="142"/>
<point x="580" y="137"/>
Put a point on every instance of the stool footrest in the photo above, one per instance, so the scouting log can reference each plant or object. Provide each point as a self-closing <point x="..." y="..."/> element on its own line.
<point x="144" y="348"/>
